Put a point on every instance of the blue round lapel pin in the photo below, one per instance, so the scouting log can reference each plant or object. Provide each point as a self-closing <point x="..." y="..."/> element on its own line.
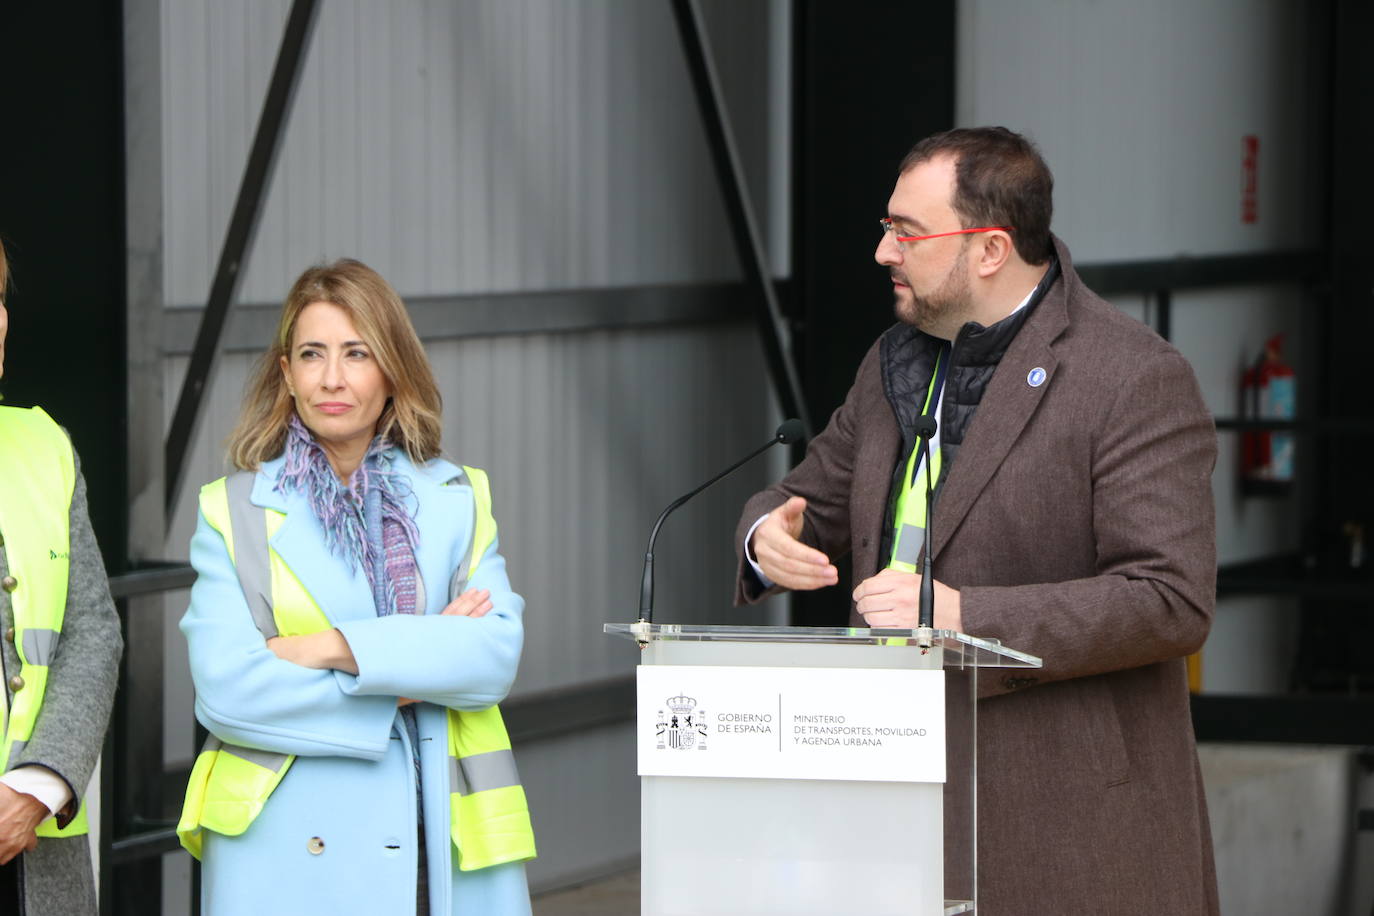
<point x="1036" y="377"/>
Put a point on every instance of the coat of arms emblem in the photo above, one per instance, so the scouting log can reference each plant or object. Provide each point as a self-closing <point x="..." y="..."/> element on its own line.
<point x="684" y="728"/>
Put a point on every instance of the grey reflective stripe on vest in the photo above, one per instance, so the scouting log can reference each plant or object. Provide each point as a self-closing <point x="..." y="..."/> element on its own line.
<point x="268" y="760"/>
<point x="40" y="646"/>
<point x="251" y="560"/>
<point x="480" y="772"/>
<point x="459" y="580"/>
<point x="909" y="544"/>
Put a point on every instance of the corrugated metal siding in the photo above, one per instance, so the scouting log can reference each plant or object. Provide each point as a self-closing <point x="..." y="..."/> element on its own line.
<point x="1141" y="108"/>
<point x="460" y="147"/>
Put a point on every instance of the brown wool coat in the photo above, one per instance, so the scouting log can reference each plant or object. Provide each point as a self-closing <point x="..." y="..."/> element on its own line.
<point x="1078" y="525"/>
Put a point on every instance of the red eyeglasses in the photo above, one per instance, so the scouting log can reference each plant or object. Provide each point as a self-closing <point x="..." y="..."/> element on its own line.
<point x="889" y="226"/>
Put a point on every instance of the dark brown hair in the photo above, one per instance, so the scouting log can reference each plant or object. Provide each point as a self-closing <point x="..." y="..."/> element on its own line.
<point x="1000" y="180"/>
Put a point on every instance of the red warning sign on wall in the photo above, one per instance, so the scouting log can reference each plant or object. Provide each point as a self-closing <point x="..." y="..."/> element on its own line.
<point x="1249" y="179"/>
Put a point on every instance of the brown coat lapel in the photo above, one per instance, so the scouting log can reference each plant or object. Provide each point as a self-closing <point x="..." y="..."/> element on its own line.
<point x="1005" y="409"/>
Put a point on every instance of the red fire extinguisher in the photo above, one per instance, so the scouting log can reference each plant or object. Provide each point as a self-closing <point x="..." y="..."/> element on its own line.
<point x="1268" y="392"/>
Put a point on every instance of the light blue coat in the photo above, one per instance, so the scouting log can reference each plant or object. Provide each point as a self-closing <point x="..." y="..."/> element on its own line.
<point x="352" y="784"/>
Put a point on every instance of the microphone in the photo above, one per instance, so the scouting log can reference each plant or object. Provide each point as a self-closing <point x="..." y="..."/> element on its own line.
<point x="925" y="615"/>
<point x="790" y="431"/>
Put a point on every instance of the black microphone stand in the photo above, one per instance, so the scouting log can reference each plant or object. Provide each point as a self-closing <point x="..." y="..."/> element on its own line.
<point x="790" y="431"/>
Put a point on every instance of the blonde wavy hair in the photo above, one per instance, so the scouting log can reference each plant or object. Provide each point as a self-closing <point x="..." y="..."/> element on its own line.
<point x="411" y="418"/>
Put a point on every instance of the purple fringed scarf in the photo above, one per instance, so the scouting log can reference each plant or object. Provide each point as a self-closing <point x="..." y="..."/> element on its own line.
<point x="343" y="514"/>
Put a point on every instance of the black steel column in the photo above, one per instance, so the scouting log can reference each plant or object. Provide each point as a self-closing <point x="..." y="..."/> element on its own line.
<point x="743" y="224"/>
<point x="1348" y="484"/>
<point x="276" y="108"/>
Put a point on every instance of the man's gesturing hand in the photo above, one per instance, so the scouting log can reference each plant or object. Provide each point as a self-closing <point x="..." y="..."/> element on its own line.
<point x="786" y="560"/>
<point x="19" y="815"/>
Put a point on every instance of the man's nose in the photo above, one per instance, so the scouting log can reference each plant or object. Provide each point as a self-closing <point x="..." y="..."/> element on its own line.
<point x="888" y="252"/>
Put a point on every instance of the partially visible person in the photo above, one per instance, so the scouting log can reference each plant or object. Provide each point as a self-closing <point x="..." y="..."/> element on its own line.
<point x="350" y="631"/>
<point x="60" y="660"/>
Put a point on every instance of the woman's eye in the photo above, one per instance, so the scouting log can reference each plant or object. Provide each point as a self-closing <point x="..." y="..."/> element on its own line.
<point x="309" y="354"/>
<point x="357" y="354"/>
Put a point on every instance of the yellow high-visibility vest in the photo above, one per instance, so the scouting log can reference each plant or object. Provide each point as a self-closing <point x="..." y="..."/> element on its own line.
<point x="489" y="815"/>
<point x="37" y="477"/>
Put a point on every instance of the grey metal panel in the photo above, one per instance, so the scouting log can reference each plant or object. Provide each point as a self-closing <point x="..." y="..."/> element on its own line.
<point x="584" y="800"/>
<point x="1141" y="109"/>
<point x="586" y="437"/>
<point x="466" y="147"/>
<point x="484" y="314"/>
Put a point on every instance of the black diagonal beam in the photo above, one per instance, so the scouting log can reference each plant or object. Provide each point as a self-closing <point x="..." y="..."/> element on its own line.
<point x="743" y="224"/>
<point x="276" y="108"/>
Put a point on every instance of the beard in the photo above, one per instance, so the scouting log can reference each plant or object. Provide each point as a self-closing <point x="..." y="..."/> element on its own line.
<point x="940" y="312"/>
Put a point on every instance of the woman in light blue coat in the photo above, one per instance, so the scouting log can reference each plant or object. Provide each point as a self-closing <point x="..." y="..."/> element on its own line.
<point x="341" y="425"/>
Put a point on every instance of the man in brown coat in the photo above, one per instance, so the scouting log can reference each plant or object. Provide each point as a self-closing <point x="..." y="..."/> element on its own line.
<point x="1073" y="520"/>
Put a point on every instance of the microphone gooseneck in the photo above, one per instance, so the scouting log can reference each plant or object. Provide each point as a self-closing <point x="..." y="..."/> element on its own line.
<point x="788" y="432"/>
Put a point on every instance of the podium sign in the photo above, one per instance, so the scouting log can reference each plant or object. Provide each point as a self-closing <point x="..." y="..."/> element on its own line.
<point x="748" y="808"/>
<point x="885" y="725"/>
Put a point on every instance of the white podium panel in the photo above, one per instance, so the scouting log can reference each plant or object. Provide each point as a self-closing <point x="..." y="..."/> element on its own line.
<point x="764" y="847"/>
<point x="741" y="836"/>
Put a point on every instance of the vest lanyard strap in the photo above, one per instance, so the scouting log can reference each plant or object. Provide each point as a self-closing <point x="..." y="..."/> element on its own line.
<point x="910" y="515"/>
<point x="933" y="394"/>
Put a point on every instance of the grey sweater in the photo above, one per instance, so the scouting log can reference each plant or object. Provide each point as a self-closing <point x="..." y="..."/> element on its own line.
<point x="56" y="878"/>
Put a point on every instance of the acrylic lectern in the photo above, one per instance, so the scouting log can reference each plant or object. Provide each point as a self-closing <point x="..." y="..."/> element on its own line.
<point x="808" y="770"/>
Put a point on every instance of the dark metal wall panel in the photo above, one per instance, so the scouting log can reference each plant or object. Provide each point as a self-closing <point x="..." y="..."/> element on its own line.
<point x="870" y="81"/>
<point x="1346" y="470"/>
<point x="62" y="221"/>
<point x="62" y="218"/>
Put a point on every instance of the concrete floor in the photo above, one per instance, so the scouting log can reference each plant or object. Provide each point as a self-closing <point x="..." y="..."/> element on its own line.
<point x="614" y="896"/>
